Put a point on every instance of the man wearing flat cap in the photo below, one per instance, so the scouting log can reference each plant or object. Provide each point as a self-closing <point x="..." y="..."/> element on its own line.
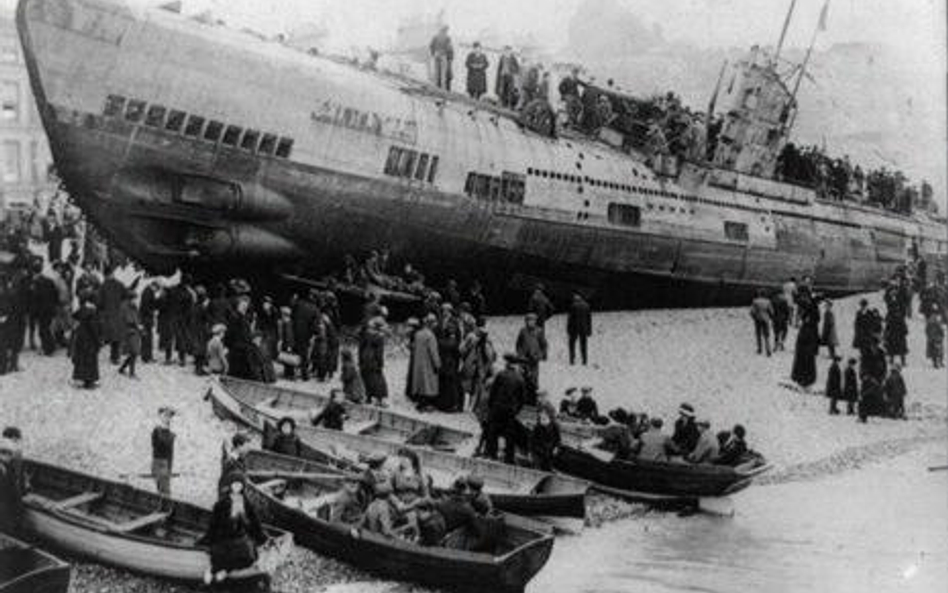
<point x="506" y="399"/>
<point x="532" y="348"/>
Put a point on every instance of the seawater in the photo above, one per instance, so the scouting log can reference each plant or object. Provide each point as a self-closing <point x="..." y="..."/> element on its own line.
<point x="880" y="528"/>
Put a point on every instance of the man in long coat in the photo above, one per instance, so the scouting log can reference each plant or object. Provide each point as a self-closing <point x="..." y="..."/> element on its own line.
<point x="477" y="64"/>
<point x="372" y="361"/>
<point x="578" y="327"/>
<point x="505" y="87"/>
<point x="110" y="303"/>
<point x="895" y="391"/>
<point x="426" y="364"/>
<point x="149" y="307"/>
<point x="808" y="344"/>
<point x="506" y="399"/>
<point x="303" y="318"/>
<point x="449" y="353"/>
<point x="828" y="335"/>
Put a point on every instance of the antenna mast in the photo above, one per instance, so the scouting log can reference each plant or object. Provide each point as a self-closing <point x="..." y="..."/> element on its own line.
<point x="783" y="32"/>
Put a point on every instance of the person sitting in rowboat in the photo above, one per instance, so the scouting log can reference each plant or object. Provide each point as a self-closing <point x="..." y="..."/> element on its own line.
<point x="617" y="436"/>
<point x="348" y="504"/>
<point x="479" y="499"/>
<point x="735" y="450"/>
<point x="333" y="415"/>
<point x="706" y="451"/>
<point x="234" y="532"/>
<point x="376" y="473"/>
<point x="544" y="439"/>
<point x="381" y="515"/>
<point x="568" y="409"/>
<point x="588" y="409"/>
<point x="286" y="442"/>
<point x="447" y="514"/>
<point x="686" y="432"/>
<point x="653" y="444"/>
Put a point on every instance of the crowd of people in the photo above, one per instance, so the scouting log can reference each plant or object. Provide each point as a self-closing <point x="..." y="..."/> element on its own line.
<point x="871" y="383"/>
<point x="838" y="179"/>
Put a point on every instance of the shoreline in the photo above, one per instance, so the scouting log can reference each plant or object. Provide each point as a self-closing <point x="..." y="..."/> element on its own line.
<point x="647" y="360"/>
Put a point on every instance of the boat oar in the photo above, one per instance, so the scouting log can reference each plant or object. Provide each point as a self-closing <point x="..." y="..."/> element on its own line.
<point x="277" y="475"/>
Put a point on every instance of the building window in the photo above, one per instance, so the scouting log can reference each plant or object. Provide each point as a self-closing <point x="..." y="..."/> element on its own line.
<point x="194" y="126"/>
<point x="135" y="110"/>
<point x="268" y="144"/>
<point x="11" y="161"/>
<point x="156" y="116"/>
<point x="433" y="169"/>
<point x="175" y="120"/>
<point x="513" y="187"/>
<point x="285" y="148"/>
<point x="736" y="231"/>
<point x="422" y="167"/>
<point x="250" y="139"/>
<point x="10" y="101"/>
<point x="114" y="105"/>
<point x="213" y="131"/>
<point x="231" y="135"/>
<point x="625" y="215"/>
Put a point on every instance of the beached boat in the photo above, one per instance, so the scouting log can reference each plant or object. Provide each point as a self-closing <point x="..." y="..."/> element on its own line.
<point x="513" y="489"/>
<point x="655" y="480"/>
<point x="249" y="402"/>
<point x="27" y="569"/>
<point x="122" y="526"/>
<point x="289" y="492"/>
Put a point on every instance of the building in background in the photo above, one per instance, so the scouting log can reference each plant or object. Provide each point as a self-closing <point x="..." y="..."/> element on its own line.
<point x="25" y="162"/>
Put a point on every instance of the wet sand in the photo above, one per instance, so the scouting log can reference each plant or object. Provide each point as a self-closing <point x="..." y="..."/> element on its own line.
<point x="649" y="360"/>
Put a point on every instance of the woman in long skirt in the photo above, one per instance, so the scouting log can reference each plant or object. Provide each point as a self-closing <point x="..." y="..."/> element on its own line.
<point x="87" y="340"/>
<point x="807" y="346"/>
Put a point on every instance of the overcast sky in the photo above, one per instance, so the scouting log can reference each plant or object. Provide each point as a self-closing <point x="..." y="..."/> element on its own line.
<point x="916" y="27"/>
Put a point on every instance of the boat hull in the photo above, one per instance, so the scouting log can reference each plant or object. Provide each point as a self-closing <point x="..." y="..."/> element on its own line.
<point x="549" y="494"/>
<point x="444" y="568"/>
<point x="175" y="558"/>
<point x="26" y="569"/>
<point x="675" y="480"/>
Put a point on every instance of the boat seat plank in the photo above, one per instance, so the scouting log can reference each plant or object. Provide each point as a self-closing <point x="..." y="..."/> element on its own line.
<point x="77" y="500"/>
<point x="362" y="427"/>
<point x="271" y="484"/>
<point x="136" y="524"/>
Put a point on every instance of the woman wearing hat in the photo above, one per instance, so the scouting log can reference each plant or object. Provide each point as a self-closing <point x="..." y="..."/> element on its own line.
<point x="286" y="442"/>
<point x="86" y="341"/>
<point x="686" y="432"/>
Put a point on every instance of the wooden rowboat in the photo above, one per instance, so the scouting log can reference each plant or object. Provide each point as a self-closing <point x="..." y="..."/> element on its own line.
<point x="121" y="526"/>
<point x="519" y="554"/>
<point x="518" y="490"/>
<point x="641" y="480"/>
<point x="247" y="401"/>
<point x="26" y="569"/>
